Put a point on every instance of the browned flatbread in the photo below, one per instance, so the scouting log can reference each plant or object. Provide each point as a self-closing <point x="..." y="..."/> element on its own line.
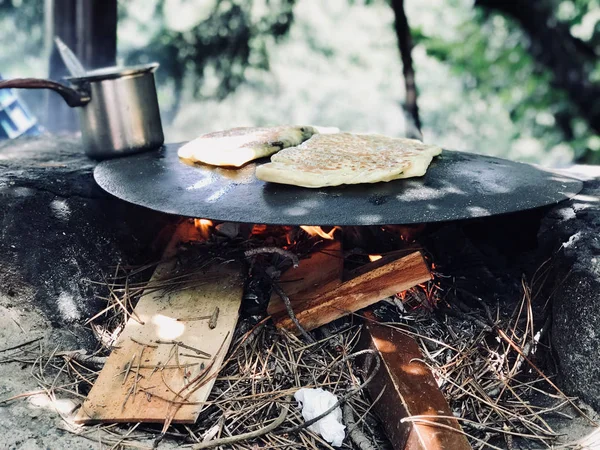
<point x="345" y="158"/>
<point x="237" y="146"/>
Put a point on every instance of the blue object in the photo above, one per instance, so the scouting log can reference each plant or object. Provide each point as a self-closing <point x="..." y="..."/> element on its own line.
<point x="15" y="119"/>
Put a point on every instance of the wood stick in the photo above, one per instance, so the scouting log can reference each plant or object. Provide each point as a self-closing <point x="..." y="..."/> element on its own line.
<point x="354" y="294"/>
<point x="191" y="319"/>
<point x="187" y="347"/>
<point x="212" y="323"/>
<point x="23" y="344"/>
<point x="291" y="314"/>
<point x="250" y="435"/>
<point x="356" y="435"/>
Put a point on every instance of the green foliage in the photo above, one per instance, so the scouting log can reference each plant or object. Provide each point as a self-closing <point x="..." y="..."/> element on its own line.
<point x="489" y="53"/>
<point x="228" y="38"/>
<point x="480" y="90"/>
<point x="22" y="44"/>
<point x="21" y="32"/>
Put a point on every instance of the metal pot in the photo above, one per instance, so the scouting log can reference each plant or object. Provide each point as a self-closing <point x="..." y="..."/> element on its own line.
<point x="118" y="108"/>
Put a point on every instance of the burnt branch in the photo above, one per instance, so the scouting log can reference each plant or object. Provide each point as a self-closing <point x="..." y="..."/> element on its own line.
<point x="290" y="311"/>
<point x="285" y="253"/>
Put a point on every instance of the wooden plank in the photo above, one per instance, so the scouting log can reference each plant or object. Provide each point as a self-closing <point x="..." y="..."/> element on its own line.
<point x="116" y="397"/>
<point x="367" y="288"/>
<point x="410" y="390"/>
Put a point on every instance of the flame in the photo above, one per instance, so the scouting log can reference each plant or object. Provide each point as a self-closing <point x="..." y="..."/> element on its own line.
<point x="203" y="226"/>
<point x="318" y="231"/>
<point x="374" y="257"/>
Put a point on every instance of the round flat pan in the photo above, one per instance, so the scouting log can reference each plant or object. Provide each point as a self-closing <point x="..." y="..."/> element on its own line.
<point x="457" y="185"/>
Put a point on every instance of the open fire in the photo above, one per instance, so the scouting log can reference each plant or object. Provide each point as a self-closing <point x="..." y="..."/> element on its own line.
<point x="350" y="259"/>
<point x="204" y="227"/>
<point x="318" y="231"/>
<point x="339" y="271"/>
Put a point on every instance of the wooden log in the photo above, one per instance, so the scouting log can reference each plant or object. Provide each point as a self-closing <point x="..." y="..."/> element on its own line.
<point x="410" y="390"/>
<point x="320" y="272"/>
<point x="163" y="347"/>
<point x="319" y="307"/>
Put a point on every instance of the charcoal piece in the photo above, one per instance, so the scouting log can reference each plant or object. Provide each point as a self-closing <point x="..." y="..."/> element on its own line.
<point x="257" y="293"/>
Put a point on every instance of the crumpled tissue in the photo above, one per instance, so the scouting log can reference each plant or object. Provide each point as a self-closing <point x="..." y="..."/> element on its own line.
<point x="316" y="401"/>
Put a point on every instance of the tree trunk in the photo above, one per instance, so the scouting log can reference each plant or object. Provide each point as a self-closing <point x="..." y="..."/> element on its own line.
<point x="552" y="45"/>
<point x="405" y="46"/>
<point x="59" y="116"/>
<point x="97" y="33"/>
<point x="89" y="28"/>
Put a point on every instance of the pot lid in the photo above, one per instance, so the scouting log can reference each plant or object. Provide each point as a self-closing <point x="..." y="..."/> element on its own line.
<point x="111" y="73"/>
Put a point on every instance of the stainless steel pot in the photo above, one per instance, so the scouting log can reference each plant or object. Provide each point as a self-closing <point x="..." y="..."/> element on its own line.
<point x="118" y="108"/>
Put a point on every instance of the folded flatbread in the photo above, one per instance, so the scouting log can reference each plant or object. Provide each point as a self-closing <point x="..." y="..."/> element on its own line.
<point x="345" y="158"/>
<point x="237" y="146"/>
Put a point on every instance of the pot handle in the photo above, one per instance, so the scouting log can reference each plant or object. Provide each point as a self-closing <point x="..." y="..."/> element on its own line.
<point x="71" y="96"/>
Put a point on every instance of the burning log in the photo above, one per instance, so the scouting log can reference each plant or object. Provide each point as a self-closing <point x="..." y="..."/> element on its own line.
<point x="318" y="295"/>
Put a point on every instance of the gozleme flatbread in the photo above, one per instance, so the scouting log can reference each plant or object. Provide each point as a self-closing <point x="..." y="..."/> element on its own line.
<point x="345" y="158"/>
<point x="237" y="146"/>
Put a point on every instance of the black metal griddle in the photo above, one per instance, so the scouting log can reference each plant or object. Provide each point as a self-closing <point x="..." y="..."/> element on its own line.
<point x="457" y="185"/>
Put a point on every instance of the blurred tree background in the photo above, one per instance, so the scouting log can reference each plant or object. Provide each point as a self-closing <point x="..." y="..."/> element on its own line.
<point x="515" y="79"/>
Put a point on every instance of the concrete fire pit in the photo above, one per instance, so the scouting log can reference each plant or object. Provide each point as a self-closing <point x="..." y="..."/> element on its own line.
<point x="59" y="230"/>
